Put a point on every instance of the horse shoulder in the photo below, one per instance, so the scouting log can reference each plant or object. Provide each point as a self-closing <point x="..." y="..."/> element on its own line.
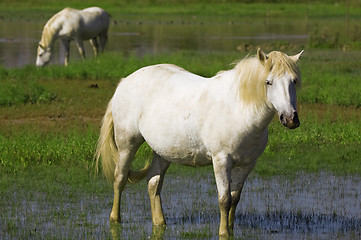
<point x="93" y="9"/>
<point x="55" y="26"/>
<point x="67" y="13"/>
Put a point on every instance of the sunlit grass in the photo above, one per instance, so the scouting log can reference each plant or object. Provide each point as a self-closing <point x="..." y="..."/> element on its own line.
<point x="329" y="77"/>
<point x="261" y="8"/>
<point x="64" y="129"/>
<point x="318" y="145"/>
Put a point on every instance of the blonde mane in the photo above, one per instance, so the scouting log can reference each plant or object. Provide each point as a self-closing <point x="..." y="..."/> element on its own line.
<point x="51" y="28"/>
<point x="252" y="73"/>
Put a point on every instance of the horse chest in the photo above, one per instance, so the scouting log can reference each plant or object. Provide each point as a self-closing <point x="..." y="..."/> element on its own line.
<point x="250" y="149"/>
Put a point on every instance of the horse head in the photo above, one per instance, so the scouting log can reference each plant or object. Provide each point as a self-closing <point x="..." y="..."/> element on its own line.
<point x="282" y="80"/>
<point x="43" y="56"/>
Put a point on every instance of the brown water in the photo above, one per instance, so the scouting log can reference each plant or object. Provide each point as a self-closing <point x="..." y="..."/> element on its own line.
<point x="130" y="34"/>
<point x="308" y="206"/>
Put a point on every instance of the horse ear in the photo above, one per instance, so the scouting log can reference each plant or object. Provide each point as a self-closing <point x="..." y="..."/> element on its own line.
<point x="297" y="56"/>
<point x="261" y="55"/>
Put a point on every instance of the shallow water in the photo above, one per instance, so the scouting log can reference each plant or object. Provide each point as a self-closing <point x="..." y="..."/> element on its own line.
<point x="150" y="35"/>
<point x="308" y="206"/>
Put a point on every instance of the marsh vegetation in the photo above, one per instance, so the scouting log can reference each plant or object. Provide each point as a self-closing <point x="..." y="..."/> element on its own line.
<point x="305" y="185"/>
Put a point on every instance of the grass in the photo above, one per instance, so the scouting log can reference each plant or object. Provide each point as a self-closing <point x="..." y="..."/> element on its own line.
<point x="305" y="149"/>
<point x="33" y="148"/>
<point x="64" y="129"/>
<point x="329" y="77"/>
<point x="192" y="7"/>
<point x="322" y="143"/>
<point x="47" y="147"/>
<point x="50" y="118"/>
<point x="329" y="25"/>
<point x="29" y="92"/>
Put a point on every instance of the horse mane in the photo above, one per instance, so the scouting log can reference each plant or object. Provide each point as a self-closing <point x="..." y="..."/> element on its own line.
<point x="50" y="28"/>
<point x="251" y="75"/>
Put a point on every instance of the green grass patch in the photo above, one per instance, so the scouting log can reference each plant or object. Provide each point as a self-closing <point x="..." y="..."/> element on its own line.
<point x="31" y="148"/>
<point x="114" y="66"/>
<point x="329" y="76"/>
<point x="262" y="8"/>
<point x="63" y="129"/>
<point x="318" y="145"/>
<point x="23" y="92"/>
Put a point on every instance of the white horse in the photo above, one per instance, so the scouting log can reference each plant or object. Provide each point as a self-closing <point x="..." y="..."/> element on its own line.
<point x="71" y="24"/>
<point x="196" y="121"/>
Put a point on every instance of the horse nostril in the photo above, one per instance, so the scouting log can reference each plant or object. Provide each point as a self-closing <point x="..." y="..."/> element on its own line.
<point x="281" y="117"/>
<point x="295" y="118"/>
<point x="290" y="122"/>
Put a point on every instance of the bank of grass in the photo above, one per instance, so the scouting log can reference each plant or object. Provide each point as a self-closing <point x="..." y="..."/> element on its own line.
<point x="266" y="8"/>
<point x="320" y="144"/>
<point x="114" y="66"/>
<point x="30" y="92"/>
<point x="63" y="132"/>
<point x="329" y="76"/>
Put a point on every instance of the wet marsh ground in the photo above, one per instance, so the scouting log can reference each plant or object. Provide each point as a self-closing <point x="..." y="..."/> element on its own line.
<point x="305" y="206"/>
<point x="306" y="185"/>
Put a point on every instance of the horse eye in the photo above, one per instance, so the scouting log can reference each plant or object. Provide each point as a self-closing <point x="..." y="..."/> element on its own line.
<point x="269" y="82"/>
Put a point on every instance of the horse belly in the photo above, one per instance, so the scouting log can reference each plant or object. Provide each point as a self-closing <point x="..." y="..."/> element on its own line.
<point x="92" y="30"/>
<point x="183" y="155"/>
<point x="173" y="133"/>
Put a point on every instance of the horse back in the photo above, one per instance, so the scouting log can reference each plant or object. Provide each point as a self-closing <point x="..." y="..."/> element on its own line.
<point x="166" y="78"/>
<point x="85" y="24"/>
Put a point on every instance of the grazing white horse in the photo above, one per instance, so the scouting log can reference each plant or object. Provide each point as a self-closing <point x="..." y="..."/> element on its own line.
<point x="72" y="24"/>
<point x="196" y="121"/>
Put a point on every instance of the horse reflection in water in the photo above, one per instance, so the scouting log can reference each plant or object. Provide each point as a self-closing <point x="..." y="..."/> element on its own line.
<point x="158" y="232"/>
<point x="196" y="121"/>
<point x="78" y="25"/>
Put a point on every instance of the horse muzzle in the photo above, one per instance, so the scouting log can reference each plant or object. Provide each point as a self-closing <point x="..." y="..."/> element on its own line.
<point x="290" y="122"/>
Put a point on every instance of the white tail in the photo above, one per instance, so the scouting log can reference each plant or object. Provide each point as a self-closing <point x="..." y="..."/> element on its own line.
<point x="108" y="151"/>
<point x="106" y="148"/>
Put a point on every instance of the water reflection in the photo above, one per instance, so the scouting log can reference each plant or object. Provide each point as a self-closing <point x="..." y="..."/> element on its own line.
<point x="312" y="206"/>
<point x="19" y="38"/>
<point x="308" y="206"/>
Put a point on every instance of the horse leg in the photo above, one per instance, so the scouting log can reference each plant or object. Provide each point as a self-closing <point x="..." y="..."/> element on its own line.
<point x="79" y="44"/>
<point x="66" y="44"/>
<point x="222" y="172"/>
<point x="155" y="182"/>
<point x="103" y="40"/>
<point x="95" y="46"/>
<point x="239" y="176"/>
<point x="120" y="179"/>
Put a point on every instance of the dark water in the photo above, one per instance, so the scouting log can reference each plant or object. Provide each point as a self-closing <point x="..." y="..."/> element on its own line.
<point x="19" y="37"/>
<point x="308" y="206"/>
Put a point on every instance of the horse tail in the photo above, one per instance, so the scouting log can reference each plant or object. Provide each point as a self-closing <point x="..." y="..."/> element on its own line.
<point x="108" y="152"/>
<point x="135" y="176"/>
<point x="106" y="147"/>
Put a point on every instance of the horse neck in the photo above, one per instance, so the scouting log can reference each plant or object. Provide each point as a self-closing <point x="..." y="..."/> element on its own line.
<point x="251" y="99"/>
<point x="256" y="114"/>
<point x="50" y="32"/>
<point x="261" y="116"/>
